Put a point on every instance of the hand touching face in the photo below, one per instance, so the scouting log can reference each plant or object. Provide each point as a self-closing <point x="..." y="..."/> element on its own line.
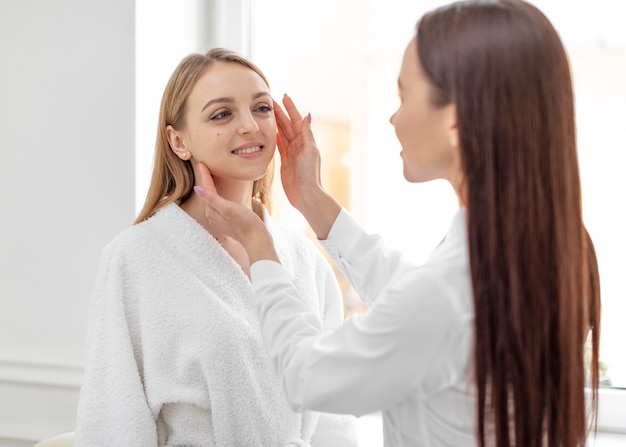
<point x="234" y="220"/>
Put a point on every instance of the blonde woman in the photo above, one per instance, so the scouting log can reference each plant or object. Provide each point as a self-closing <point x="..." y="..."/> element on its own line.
<point x="174" y="352"/>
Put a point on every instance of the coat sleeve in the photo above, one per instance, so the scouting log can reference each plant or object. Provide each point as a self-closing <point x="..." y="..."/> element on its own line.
<point x="112" y="409"/>
<point x="332" y="429"/>
<point x="370" y="361"/>
<point x="363" y="258"/>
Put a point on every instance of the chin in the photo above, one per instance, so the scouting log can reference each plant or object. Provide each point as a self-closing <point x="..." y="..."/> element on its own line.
<point x="258" y="176"/>
<point x="413" y="178"/>
<point x="408" y="177"/>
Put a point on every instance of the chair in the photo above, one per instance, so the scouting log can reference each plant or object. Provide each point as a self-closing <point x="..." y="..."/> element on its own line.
<point x="62" y="440"/>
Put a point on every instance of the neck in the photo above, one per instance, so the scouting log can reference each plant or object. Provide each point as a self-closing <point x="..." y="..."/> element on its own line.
<point x="235" y="191"/>
<point x="457" y="180"/>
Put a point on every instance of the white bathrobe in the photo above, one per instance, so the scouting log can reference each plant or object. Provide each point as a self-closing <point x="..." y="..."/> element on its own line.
<point x="174" y="350"/>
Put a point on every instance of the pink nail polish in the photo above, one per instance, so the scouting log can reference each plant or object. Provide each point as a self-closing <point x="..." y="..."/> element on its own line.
<point x="308" y="118"/>
<point x="199" y="190"/>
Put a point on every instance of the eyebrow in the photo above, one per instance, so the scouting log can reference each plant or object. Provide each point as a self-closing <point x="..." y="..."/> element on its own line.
<point x="230" y="100"/>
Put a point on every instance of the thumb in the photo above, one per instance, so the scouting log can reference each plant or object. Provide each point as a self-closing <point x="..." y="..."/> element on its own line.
<point x="205" y="180"/>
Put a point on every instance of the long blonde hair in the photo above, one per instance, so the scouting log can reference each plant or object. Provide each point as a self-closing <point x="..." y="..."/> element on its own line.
<point x="173" y="178"/>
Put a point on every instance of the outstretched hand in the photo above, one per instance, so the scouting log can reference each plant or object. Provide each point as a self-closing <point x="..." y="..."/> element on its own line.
<point x="300" y="169"/>
<point x="234" y="220"/>
<point x="300" y="158"/>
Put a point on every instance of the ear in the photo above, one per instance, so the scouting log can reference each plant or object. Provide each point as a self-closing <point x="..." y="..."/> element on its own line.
<point x="177" y="143"/>
<point x="453" y="130"/>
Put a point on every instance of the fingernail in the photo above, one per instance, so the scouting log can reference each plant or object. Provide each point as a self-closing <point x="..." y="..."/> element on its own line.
<point x="308" y="118"/>
<point x="199" y="190"/>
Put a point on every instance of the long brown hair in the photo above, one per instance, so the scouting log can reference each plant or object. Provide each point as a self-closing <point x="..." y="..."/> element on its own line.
<point x="532" y="264"/>
<point x="173" y="178"/>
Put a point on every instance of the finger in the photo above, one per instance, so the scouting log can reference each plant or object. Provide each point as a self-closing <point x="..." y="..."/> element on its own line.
<point x="292" y="110"/>
<point x="282" y="148"/>
<point x="306" y="132"/>
<point x="283" y="123"/>
<point x="287" y="149"/>
<point x="205" y="178"/>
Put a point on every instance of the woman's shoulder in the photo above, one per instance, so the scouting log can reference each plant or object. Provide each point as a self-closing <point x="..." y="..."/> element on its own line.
<point x="128" y="237"/>
<point x="289" y="235"/>
<point x="139" y="236"/>
<point x="297" y="252"/>
<point x="294" y="242"/>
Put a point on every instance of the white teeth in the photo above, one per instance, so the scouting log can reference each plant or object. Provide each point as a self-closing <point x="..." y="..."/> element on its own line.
<point x="247" y="150"/>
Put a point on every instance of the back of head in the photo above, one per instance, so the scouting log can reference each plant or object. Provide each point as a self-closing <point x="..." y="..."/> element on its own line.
<point x="532" y="264"/>
<point x="173" y="178"/>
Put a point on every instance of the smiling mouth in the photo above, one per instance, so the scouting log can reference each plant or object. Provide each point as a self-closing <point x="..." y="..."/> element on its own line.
<point x="248" y="150"/>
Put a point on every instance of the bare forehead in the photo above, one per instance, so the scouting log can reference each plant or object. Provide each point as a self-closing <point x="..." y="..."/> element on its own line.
<point x="410" y="63"/>
<point x="226" y="83"/>
<point x="229" y="76"/>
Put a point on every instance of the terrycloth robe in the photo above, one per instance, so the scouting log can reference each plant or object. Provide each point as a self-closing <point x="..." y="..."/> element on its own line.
<point x="174" y="350"/>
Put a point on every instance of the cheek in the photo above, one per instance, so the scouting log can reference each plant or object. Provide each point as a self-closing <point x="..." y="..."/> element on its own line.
<point x="269" y="131"/>
<point x="402" y="119"/>
<point x="405" y="127"/>
<point x="206" y="137"/>
<point x="271" y="141"/>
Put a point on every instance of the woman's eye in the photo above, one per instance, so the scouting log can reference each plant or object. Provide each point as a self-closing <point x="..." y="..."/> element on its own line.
<point x="221" y="115"/>
<point x="264" y="108"/>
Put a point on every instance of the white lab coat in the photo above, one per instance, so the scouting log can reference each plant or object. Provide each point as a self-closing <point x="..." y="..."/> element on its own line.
<point x="410" y="355"/>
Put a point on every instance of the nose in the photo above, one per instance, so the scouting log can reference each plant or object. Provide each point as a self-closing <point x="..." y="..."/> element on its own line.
<point x="247" y="123"/>
<point x="392" y="118"/>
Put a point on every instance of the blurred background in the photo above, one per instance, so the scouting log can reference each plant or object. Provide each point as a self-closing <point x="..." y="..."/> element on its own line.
<point x="81" y="83"/>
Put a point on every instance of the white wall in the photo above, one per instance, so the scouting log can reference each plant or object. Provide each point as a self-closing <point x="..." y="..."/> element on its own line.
<point x="67" y="123"/>
<point x="67" y="181"/>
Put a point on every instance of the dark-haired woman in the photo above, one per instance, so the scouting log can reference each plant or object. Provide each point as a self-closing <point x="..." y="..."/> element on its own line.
<point x="483" y="344"/>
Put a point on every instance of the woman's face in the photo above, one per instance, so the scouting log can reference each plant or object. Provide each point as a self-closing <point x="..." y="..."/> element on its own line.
<point x="427" y="133"/>
<point x="229" y="123"/>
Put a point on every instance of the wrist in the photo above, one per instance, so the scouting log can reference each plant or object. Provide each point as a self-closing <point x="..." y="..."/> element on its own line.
<point x="260" y="246"/>
<point x="320" y="209"/>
